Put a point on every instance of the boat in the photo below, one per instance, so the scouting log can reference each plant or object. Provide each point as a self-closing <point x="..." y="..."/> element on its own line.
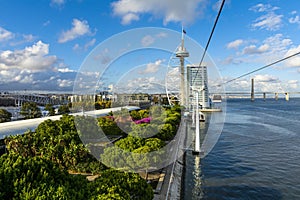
<point x="201" y="117"/>
<point x="216" y="98"/>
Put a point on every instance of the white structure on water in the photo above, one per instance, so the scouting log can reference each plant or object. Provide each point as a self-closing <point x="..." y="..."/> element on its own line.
<point x="197" y="81"/>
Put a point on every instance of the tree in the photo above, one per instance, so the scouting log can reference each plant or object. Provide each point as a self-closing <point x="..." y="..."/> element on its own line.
<point x="135" y="115"/>
<point x="50" y="109"/>
<point x="144" y="130"/>
<point x="5" y="116"/>
<point x="109" y="126"/>
<point x="116" y="184"/>
<point x="30" y="110"/>
<point x="130" y="143"/>
<point x="37" y="162"/>
<point x="38" y="178"/>
<point x="63" y="109"/>
<point x="166" y="132"/>
<point x="57" y="141"/>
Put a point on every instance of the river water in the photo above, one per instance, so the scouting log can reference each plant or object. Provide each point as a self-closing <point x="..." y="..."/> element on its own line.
<point x="256" y="157"/>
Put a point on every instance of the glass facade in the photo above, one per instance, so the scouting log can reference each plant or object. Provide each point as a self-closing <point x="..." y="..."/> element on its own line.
<point x="197" y="83"/>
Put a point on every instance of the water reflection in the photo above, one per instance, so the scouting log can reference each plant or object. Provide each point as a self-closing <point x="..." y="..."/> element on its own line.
<point x="197" y="192"/>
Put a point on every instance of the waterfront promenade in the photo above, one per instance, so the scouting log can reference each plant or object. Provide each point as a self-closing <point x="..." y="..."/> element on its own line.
<point x="170" y="188"/>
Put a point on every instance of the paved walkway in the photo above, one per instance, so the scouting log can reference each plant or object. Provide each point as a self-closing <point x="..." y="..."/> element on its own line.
<point x="166" y="188"/>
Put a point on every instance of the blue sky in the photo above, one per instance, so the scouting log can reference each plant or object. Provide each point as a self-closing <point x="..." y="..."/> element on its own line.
<point x="43" y="43"/>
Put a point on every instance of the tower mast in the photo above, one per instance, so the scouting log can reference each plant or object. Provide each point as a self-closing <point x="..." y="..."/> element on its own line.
<point x="182" y="53"/>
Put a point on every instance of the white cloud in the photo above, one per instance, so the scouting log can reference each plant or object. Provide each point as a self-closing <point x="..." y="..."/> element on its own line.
<point x="65" y="70"/>
<point x="265" y="78"/>
<point x="15" y="38"/>
<point x="50" y="80"/>
<point x="46" y="23"/>
<point x="294" y="12"/>
<point x="27" y="79"/>
<point x="252" y="49"/>
<point x="295" y="20"/>
<point x="275" y="46"/>
<point x="147" y="40"/>
<point x="232" y="60"/>
<point x="25" y="39"/>
<point x="238" y="85"/>
<point x="141" y="84"/>
<point x="64" y="83"/>
<point x="217" y="5"/>
<point x="152" y="67"/>
<point x="169" y="10"/>
<point x="86" y="46"/>
<point x="235" y="44"/>
<point x="28" y="38"/>
<point x="294" y="84"/>
<point x="262" y="83"/>
<point x="263" y="8"/>
<point x="294" y="61"/>
<point x="58" y="3"/>
<point x="277" y="43"/>
<point x="80" y="28"/>
<point x="76" y="47"/>
<point x="269" y="21"/>
<point x="271" y="49"/>
<point x="129" y="17"/>
<point x="5" y="34"/>
<point x="162" y="35"/>
<point x="104" y="56"/>
<point x="33" y="58"/>
<point x="89" y="44"/>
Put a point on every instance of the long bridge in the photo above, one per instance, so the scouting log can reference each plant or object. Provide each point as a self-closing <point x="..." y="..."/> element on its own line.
<point x="261" y="94"/>
<point x="17" y="99"/>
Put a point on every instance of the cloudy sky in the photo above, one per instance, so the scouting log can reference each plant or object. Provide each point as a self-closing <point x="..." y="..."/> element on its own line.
<point x="44" y="43"/>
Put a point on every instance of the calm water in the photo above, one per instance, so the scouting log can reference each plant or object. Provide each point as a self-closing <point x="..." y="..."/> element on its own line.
<point x="257" y="155"/>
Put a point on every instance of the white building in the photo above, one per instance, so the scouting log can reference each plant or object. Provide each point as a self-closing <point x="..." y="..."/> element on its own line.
<point x="197" y="81"/>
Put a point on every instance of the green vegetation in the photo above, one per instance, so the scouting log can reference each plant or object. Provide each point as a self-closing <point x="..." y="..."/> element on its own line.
<point x="42" y="165"/>
<point x="87" y="104"/>
<point x="39" y="178"/>
<point x="102" y="104"/>
<point x="109" y="126"/>
<point x="50" y="109"/>
<point x="57" y="141"/>
<point x="5" y="116"/>
<point x="48" y="163"/>
<point x="132" y="152"/>
<point x="120" y="185"/>
<point x="30" y="110"/>
<point x="63" y="109"/>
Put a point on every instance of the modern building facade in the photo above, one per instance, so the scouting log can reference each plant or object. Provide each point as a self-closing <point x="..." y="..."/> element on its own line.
<point x="196" y="77"/>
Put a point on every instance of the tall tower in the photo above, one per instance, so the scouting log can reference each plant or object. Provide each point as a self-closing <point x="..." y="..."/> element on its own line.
<point x="182" y="53"/>
<point x="252" y="89"/>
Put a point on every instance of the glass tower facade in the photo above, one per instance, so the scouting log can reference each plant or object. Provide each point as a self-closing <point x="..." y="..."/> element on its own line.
<point x="197" y="83"/>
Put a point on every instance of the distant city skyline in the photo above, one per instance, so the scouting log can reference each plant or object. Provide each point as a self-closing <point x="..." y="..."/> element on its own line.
<point x="44" y="43"/>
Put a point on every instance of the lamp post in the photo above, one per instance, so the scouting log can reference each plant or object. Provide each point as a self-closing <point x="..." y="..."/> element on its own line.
<point x="197" y="138"/>
<point x="196" y="121"/>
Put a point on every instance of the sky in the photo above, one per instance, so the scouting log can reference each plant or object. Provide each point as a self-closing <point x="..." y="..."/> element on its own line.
<point x="49" y="45"/>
